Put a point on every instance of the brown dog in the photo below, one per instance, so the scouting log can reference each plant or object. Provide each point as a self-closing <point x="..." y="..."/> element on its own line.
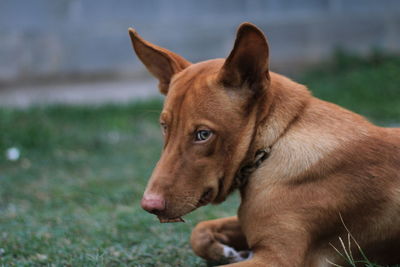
<point x="306" y="169"/>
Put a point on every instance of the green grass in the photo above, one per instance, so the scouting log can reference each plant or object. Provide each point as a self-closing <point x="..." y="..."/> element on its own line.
<point x="72" y="199"/>
<point x="369" y="86"/>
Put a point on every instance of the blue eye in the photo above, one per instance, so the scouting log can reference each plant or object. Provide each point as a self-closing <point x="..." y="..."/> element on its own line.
<point x="164" y="128"/>
<point x="203" y="135"/>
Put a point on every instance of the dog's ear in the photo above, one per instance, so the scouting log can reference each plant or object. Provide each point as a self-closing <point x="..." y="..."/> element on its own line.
<point x="162" y="63"/>
<point x="247" y="64"/>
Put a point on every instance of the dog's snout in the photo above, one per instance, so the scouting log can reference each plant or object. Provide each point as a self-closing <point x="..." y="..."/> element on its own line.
<point x="153" y="203"/>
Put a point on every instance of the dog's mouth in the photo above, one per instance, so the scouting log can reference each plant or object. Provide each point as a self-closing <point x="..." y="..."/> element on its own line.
<point x="204" y="200"/>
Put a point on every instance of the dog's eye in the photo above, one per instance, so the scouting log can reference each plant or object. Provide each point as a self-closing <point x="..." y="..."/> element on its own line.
<point x="163" y="128"/>
<point x="203" y="135"/>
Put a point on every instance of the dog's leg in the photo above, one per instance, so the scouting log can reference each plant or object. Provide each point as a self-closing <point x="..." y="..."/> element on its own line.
<point x="220" y="240"/>
<point x="223" y="241"/>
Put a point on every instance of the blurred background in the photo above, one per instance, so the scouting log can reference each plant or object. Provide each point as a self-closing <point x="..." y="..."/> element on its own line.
<point x="76" y="41"/>
<point x="78" y="112"/>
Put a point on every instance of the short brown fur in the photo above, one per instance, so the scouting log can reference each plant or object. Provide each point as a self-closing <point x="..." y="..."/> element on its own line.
<point x="328" y="168"/>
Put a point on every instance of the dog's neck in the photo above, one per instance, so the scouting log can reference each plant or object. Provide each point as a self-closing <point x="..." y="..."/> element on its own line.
<point x="287" y="100"/>
<point x="283" y="102"/>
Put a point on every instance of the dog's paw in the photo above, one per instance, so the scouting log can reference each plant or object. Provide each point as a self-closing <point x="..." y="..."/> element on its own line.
<point x="233" y="256"/>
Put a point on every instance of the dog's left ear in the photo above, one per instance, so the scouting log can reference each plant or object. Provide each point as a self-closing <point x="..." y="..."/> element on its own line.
<point x="247" y="64"/>
<point x="162" y="63"/>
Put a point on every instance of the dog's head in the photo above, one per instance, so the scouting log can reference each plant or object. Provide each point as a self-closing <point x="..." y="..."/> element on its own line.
<point x="208" y="121"/>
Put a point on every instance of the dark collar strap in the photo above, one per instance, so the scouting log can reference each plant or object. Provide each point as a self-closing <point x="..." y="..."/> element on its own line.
<point x="242" y="176"/>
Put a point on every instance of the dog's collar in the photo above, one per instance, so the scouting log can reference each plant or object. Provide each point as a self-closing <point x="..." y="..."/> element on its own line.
<point x="242" y="176"/>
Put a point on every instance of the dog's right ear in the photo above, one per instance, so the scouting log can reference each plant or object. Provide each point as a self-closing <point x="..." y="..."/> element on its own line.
<point x="162" y="63"/>
<point x="247" y="64"/>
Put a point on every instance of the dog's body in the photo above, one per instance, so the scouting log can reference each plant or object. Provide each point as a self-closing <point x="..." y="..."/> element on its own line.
<point x="329" y="172"/>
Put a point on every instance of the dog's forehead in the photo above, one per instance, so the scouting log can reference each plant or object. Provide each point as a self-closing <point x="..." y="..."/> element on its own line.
<point x="195" y="76"/>
<point x="198" y="82"/>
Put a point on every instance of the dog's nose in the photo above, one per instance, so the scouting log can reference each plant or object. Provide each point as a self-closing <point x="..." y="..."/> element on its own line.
<point x="153" y="203"/>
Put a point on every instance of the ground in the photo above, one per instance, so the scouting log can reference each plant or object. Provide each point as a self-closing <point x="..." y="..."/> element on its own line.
<point x="72" y="198"/>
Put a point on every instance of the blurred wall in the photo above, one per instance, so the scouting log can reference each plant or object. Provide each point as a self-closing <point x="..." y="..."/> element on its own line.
<point x="57" y="38"/>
